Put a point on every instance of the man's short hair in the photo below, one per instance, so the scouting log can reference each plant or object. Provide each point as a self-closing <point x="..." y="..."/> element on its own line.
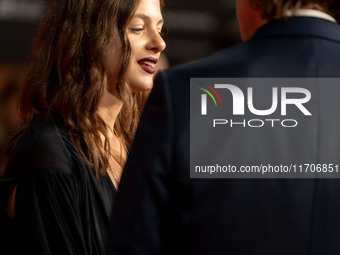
<point x="277" y="8"/>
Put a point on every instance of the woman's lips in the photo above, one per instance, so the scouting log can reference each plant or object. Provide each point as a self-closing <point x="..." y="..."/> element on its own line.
<point x="148" y="64"/>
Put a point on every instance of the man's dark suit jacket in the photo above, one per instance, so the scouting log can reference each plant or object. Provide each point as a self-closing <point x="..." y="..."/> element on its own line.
<point x="160" y="210"/>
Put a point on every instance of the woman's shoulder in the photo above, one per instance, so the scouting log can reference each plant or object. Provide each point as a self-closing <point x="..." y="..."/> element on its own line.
<point x="42" y="145"/>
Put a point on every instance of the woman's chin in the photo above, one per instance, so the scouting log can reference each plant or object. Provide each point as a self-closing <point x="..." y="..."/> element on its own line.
<point x="141" y="87"/>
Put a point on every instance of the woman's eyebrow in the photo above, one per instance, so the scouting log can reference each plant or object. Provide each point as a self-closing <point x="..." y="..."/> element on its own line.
<point x="143" y="16"/>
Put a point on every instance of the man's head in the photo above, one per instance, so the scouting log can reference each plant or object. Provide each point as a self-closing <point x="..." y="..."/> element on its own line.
<point x="252" y="14"/>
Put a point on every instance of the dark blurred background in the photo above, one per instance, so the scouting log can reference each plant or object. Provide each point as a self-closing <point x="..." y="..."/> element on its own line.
<point x="18" y="24"/>
<point x="199" y="28"/>
<point x="194" y="29"/>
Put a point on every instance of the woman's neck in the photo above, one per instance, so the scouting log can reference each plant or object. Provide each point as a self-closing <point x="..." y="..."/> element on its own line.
<point x="109" y="108"/>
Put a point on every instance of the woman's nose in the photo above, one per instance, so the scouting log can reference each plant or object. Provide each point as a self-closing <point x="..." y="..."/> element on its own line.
<point x="156" y="42"/>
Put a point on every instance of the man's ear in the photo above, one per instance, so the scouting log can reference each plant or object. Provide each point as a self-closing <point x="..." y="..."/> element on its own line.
<point x="249" y="18"/>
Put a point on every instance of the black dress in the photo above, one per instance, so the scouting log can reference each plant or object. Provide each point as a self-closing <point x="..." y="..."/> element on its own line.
<point x="61" y="207"/>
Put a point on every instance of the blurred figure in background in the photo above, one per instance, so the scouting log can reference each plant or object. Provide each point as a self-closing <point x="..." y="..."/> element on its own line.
<point x="163" y="63"/>
<point x="160" y="210"/>
<point x="10" y="82"/>
<point x="18" y="22"/>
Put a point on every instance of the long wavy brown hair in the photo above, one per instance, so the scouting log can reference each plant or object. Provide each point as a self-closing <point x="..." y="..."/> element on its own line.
<point x="67" y="74"/>
<point x="277" y="8"/>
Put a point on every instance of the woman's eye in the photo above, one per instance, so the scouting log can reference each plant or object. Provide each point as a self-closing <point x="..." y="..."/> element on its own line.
<point x="163" y="32"/>
<point x="136" y="30"/>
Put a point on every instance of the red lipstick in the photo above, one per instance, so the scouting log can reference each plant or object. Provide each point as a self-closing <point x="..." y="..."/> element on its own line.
<point x="148" y="64"/>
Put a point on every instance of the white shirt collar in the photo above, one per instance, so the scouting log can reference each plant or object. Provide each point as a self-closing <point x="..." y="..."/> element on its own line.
<point x="310" y="13"/>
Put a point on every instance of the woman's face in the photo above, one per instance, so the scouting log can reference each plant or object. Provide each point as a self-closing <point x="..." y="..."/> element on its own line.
<point x="143" y="31"/>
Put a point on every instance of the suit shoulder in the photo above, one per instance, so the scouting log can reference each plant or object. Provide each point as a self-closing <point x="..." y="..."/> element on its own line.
<point x="214" y="65"/>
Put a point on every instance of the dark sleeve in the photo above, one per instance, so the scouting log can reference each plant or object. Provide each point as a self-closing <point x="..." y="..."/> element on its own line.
<point x="47" y="217"/>
<point x="143" y="196"/>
